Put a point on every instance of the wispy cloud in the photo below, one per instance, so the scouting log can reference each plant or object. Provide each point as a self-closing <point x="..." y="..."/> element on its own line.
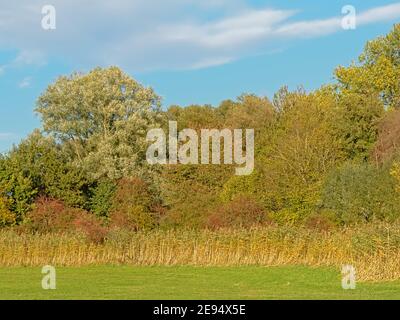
<point x="379" y="14"/>
<point x="31" y="57"/>
<point x="231" y="32"/>
<point x="314" y="28"/>
<point x="25" y="83"/>
<point x="24" y="58"/>
<point x="173" y="34"/>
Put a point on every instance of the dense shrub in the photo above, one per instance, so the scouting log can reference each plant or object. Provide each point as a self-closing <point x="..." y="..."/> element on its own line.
<point x="91" y="227"/>
<point x="242" y="212"/>
<point x="361" y="193"/>
<point x="7" y="217"/>
<point x="51" y="215"/>
<point x="39" y="167"/>
<point x="19" y="189"/>
<point x="132" y="205"/>
<point x="241" y="185"/>
<point x="189" y="211"/>
<point x="321" y="221"/>
<point x="132" y="218"/>
<point x="190" y="191"/>
<point x="101" y="198"/>
<point x="387" y="146"/>
<point x="356" y="123"/>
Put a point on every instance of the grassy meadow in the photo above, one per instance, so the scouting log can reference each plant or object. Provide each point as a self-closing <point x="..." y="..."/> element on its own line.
<point x="148" y="283"/>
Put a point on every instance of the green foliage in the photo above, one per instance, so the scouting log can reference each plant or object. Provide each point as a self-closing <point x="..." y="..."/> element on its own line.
<point x="356" y="123"/>
<point x="295" y="153"/>
<point x="190" y="191"/>
<point x="101" y="198"/>
<point x="284" y="99"/>
<point x="240" y="185"/>
<point x="94" y="142"/>
<point x="38" y="166"/>
<point x="7" y="217"/>
<point x="133" y="205"/>
<point x="378" y="70"/>
<point x="361" y="193"/>
<point x="395" y="173"/>
<point x="17" y="185"/>
<point x="195" y="117"/>
<point x="249" y="111"/>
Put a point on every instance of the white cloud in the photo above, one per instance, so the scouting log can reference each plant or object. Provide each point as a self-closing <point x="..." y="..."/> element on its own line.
<point x="25" y="83"/>
<point x="233" y="31"/>
<point x="24" y="58"/>
<point x="309" y="28"/>
<point x="379" y="14"/>
<point x="323" y="27"/>
<point x="31" y="57"/>
<point x="161" y="34"/>
<point x="210" y="63"/>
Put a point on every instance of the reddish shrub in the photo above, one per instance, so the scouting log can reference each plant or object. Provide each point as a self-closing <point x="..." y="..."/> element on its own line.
<point x="242" y="212"/>
<point x="320" y="222"/>
<point x="51" y="215"/>
<point x="89" y="225"/>
<point x="159" y="211"/>
<point x="389" y="137"/>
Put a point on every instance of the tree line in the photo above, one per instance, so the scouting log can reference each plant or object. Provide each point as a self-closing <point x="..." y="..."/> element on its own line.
<point x="324" y="159"/>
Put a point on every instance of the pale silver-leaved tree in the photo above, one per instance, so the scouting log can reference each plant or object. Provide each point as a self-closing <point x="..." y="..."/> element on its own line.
<point x="102" y="119"/>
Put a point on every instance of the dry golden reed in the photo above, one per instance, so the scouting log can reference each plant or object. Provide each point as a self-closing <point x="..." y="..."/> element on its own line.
<point x="373" y="249"/>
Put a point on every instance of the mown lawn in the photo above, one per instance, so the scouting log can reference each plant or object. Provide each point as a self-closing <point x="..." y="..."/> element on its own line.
<point x="124" y="282"/>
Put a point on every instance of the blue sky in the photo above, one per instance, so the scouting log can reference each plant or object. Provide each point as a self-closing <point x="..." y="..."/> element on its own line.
<point x="189" y="51"/>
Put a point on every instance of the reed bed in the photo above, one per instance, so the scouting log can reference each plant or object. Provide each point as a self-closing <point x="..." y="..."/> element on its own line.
<point x="374" y="250"/>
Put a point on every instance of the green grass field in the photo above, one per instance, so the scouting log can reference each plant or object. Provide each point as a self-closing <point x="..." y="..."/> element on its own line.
<point x="116" y="282"/>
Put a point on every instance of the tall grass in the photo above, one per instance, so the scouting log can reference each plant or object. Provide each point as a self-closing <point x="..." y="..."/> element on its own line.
<point x="373" y="249"/>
